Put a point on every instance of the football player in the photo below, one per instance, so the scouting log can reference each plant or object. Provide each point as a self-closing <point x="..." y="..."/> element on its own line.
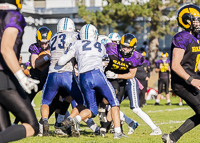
<point x="121" y="72"/>
<point x="163" y="68"/>
<point x="184" y="64"/>
<point x="114" y="37"/>
<point x="14" y="83"/>
<point x="89" y="53"/>
<point x="62" y="77"/>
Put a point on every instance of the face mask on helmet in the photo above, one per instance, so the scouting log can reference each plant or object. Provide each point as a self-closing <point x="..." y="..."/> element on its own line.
<point x="128" y="44"/>
<point x="188" y="18"/>
<point x="17" y="3"/>
<point x="104" y="39"/>
<point x="65" y="24"/>
<point x="43" y="36"/>
<point x="89" y="32"/>
<point x="114" y="37"/>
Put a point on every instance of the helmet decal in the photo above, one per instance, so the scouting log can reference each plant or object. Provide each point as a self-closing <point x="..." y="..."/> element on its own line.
<point x="122" y="40"/>
<point x="133" y="41"/>
<point x="49" y="35"/>
<point x="19" y="4"/>
<point x="39" y="36"/>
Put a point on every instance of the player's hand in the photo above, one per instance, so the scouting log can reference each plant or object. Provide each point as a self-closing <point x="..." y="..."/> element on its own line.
<point x="196" y="83"/>
<point x="27" y="83"/>
<point x="111" y="75"/>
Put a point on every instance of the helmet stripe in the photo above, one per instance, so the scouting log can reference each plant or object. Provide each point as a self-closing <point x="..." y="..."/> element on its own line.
<point x="86" y="31"/>
<point x="111" y="35"/>
<point x="133" y="41"/>
<point x="65" y="24"/>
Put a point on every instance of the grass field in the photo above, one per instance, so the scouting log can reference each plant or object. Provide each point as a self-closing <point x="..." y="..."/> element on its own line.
<point x="168" y="118"/>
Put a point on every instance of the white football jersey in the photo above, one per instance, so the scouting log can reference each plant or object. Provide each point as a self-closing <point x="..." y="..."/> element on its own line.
<point x="58" y="45"/>
<point x="88" y="54"/>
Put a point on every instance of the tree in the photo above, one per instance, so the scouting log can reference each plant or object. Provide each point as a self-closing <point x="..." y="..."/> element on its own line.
<point x="122" y="16"/>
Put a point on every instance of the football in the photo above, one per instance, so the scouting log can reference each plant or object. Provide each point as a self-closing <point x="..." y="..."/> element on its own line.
<point x="40" y="56"/>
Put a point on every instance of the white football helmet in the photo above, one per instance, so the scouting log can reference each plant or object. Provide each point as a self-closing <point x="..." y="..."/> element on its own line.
<point x="89" y="32"/>
<point x="103" y="39"/>
<point x="114" y="37"/>
<point x="65" y="24"/>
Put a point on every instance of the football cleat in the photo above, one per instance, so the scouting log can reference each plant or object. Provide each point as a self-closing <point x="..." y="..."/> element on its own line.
<point x="166" y="138"/>
<point x="45" y="128"/>
<point x="102" y="132"/>
<point x="132" y="126"/>
<point x="156" y="131"/>
<point x="119" y="135"/>
<point x="40" y="129"/>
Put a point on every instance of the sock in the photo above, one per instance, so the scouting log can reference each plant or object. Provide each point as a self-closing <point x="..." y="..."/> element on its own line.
<point x="91" y="124"/>
<point x="117" y="130"/>
<point x="56" y="116"/>
<point x="45" y="119"/>
<point x="157" y="100"/>
<point x="13" y="133"/>
<point x="67" y="114"/>
<point x="64" y="107"/>
<point x="60" y="118"/>
<point x="189" y="124"/>
<point x="168" y="101"/>
<point x="145" y="118"/>
<point x="78" y="118"/>
<point x="123" y="117"/>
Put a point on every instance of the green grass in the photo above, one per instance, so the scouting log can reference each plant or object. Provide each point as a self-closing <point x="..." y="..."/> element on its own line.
<point x="168" y="118"/>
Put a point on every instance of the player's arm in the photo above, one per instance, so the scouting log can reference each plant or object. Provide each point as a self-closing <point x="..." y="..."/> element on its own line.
<point x="69" y="54"/>
<point x="178" y="69"/>
<point x="7" y="43"/>
<point x="40" y="62"/>
<point x="130" y="75"/>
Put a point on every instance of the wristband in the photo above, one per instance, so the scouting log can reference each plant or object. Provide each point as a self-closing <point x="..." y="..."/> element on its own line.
<point x="19" y="75"/>
<point x="189" y="80"/>
<point x="46" y="58"/>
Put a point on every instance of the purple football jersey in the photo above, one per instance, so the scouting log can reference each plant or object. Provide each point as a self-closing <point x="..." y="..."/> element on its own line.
<point x="121" y="65"/>
<point x="190" y="61"/>
<point x="35" y="49"/>
<point x="11" y="18"/>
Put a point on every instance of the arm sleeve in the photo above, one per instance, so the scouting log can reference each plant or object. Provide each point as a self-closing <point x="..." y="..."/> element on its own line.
<point x="15" y="19"/>
<point x="68" y="55"/>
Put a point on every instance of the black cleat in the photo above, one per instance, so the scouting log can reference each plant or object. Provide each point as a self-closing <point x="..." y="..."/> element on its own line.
<point x="157" y="103"/>
<point x="45" y="128"/>
<point x="166" y="138"/>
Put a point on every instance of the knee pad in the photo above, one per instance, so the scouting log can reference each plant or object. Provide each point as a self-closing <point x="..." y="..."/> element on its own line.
<point x="137" y="110"/>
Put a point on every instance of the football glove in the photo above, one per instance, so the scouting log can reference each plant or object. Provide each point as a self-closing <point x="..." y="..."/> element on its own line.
<point x="27" y="83"/>
<point x="111" y="75"/>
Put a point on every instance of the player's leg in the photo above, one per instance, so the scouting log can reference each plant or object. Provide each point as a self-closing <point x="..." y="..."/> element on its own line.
<point x="20" y="106"/>
<point x="192" y="97"/>
<point x="134" y="105"/>
<point x="160" y="87"/>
